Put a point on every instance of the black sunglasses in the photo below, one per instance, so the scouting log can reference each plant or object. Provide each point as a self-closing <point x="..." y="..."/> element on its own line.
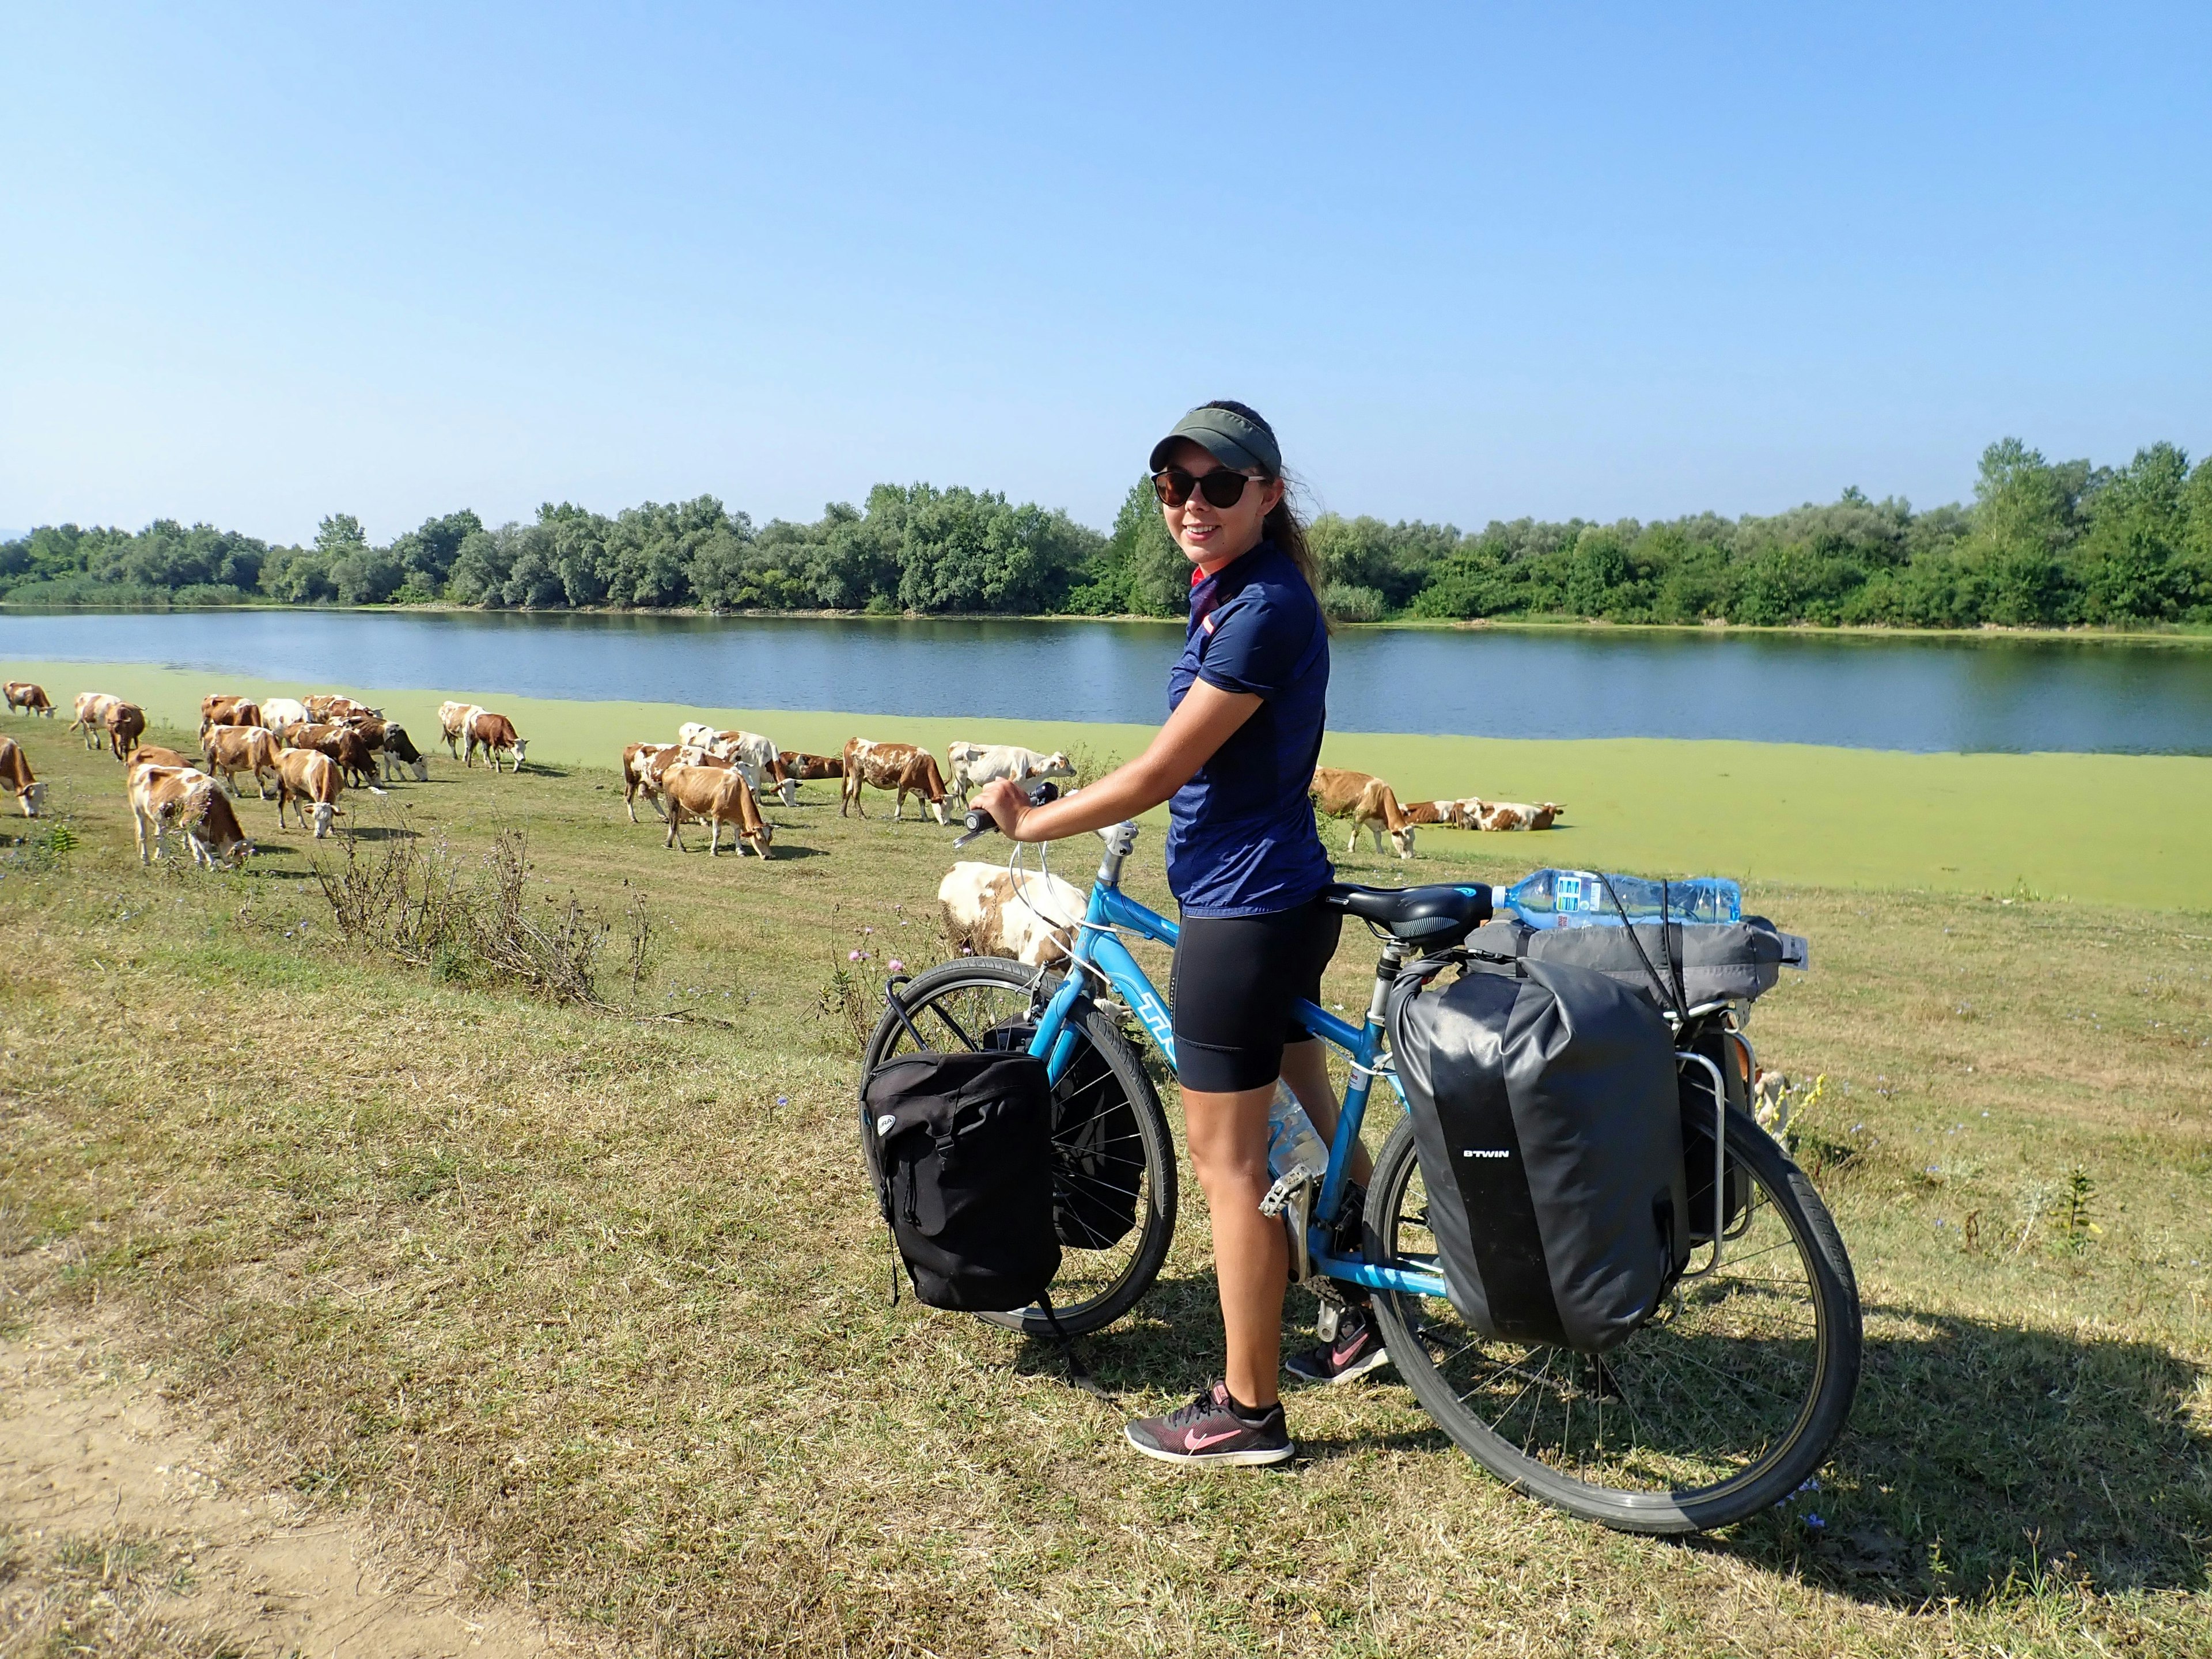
<point x="1221" y="487"/>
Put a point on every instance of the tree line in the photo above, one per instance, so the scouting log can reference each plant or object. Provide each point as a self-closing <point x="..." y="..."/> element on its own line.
<point x="2043" y="542"/>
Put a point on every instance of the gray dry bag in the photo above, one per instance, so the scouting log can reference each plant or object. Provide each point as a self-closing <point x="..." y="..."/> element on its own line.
<point x="1550" y="1138"/>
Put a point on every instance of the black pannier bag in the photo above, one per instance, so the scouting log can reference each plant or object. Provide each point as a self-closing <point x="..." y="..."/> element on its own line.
<point x="1097" y="1152"/>
<point x="960" y="1147"/>
<point x="1550" y="1140"/>
<point x="1700" y="962"/>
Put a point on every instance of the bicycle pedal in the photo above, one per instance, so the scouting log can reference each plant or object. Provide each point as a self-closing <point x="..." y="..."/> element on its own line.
<point x="1327" y="1320"/>
<point x="1287" y="1186"/>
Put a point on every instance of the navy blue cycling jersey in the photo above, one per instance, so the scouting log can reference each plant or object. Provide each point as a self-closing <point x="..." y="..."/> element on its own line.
<point x="1241" y="836"/>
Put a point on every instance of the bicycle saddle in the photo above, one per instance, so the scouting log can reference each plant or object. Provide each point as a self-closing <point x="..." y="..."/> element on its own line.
<point x="1418" y="915"/>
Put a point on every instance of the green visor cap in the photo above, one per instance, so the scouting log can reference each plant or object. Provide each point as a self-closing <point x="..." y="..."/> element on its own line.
<point x="1228" y="437"/>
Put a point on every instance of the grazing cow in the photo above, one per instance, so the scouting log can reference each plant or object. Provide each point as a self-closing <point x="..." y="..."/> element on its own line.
<point x="333" y="710"/>
<point x="389" y="739"/>
<point x="802" y="767"/>
<point x="718" y="795"/>
<point x="29" y="697"/>
<point x="277" y="713"/>
<point x="234" y="749"/>
<point x="905" y="768"/>
<point x="227" y="708"/>
<point x="16" y="774"/>
<point x="996" y="912"/>
<point x="305" y="776"/>
<point x="152" y="754"/>
<point x="163" y="798"/>
<point x="1367" y="802"/>
<point x="493" y="732"/>
<point x="343" y="744"/>
<point x="453" y="719"/>
<point x="642" y="766"/>
<point x="974" y="764"/>
<point x="756" y="756"/>
<point x="92" y="709"/>
<point x="126" y="724"/>
<point x="1511" y="814"/>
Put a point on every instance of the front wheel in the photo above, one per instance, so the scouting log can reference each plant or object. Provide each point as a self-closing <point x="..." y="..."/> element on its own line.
<point x="1114" y="1172"/>
<point x="1718" y="1407"/>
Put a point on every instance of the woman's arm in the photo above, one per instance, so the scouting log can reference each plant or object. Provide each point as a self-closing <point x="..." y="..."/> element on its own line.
<point x="1200" y="724"/>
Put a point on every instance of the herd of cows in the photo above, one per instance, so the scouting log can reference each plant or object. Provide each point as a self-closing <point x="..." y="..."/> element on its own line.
<point x="313" y="749"/>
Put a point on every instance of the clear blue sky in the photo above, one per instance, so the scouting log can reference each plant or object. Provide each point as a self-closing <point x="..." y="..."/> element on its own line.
<point x="262" y="264"/>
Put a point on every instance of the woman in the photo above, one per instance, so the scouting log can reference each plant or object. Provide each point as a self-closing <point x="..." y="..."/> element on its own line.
<point x="1236" y="756"/>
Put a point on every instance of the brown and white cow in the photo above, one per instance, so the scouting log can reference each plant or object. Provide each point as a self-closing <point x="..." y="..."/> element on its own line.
<point x="754" y="754"/>
<point x="343" y="744"/>
<point x="164" y="798"/>
<point x="331" y="709"/>
<point x="805" y="768"/>
<point x="227" y="708"/>
<point x="718" y="795"/>
<point x="389" y="739"/>
<point x="974" y="764"/>
<point x="996" y="912"/>
<point x="308" y="777"/>
<point x="453" y="724"/>
<point x="491" y="732"/>
<point x="126" y="724"/>
<point x="233" y="749"/>
<point x="642" y="763"/>
<point x="15" y="775"/>
<point x="29" y="697"/>
<point x="1511" y="814"/>
<point x="152" y="754"/>
<point x="92" y="709"/>
<point x="1367" y="802"/>
<point x="907" y="767"/>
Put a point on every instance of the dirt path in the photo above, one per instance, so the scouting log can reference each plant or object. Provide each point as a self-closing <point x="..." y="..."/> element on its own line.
<point x="124" y="1531"/>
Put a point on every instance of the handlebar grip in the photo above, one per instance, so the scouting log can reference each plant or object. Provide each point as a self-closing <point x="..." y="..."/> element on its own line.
<point x="1044" y="790"/>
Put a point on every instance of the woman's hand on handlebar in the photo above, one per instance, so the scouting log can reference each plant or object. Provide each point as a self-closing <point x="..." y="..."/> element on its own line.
<point x="1007" y="805"/>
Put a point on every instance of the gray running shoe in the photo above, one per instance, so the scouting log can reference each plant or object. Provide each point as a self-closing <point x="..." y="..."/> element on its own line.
<point x="1356" y="1352"/>
<point x="1210" y="1430"/>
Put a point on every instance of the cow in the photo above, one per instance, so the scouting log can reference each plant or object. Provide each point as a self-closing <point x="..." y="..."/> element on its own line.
<point x="992" y="911"/>
<point x="163" y="798"/>
<point x="643" y="764"/>
<point x="343" y="744"/>
<point x="1511" y="814"/>
<point x="277" y="713"/>
<point x="905" y="768"/>
<point x="29" y="698"/>
<point x="92" y="709"/>
<point x="16" y="774"/>
<point x="493" y="732"/>
<point x="227" y="708"/>
<point x="1447" y="812"/>
<point x="453" y="719"/>
<point x="331" y="709"/>
<point x="803" y="767"/>
<point x="1367" y="802"/>
<point x="974" y="764"/>
<point x="756" y="756"/>
<point x="126" y="724"/>
<point x="308" y="775"/>
<point x="231" y="750"/>
<point x="152" y="754"/>
<point x="719" y="795"/>
<point x="389" y="740"/>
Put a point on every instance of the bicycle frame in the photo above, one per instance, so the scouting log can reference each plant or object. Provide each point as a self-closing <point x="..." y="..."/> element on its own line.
<point x="1100" y="955"/>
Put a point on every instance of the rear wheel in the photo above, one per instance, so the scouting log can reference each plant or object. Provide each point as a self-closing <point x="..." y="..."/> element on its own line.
<point x="1718" y="1407"/>
<point x="1114" y="1174"/>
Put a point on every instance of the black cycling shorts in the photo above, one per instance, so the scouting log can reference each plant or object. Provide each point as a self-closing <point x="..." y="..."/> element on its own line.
<point x="1234" y="980"/>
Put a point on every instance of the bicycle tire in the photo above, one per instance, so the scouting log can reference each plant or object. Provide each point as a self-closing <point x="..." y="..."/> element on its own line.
<point x="926" y="998"/>
<point x="1408" y="1325"/>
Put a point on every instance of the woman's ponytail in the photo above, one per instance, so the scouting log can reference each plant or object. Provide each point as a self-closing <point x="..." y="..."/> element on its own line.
<point x="1285" y="526"/>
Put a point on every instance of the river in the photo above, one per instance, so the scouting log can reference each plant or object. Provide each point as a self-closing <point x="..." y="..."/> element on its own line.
<point x="1975" y="692"/>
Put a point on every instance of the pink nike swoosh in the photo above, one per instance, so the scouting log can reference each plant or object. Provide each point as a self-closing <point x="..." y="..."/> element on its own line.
<point x="1200" y="1442"/>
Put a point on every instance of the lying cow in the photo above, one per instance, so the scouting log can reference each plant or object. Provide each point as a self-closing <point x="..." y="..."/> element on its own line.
<point x="805" y="768"/>
<point x="1511" y="814"/>
<point x="308" y="777"/>
<point x="28" y="697"/>
<point x="905" y="768"/>
<point x="996" y="912"/>
<point x="717" y="795"/>
<point x="343" y="744"/>
<point x="234" y="749"/>
<point x="491" y="732"/>
<point x="388" y="739"/>
<point x="453" y="719"/>
<point x="332" y="709"/>
<point x="126" y="724"/>
<point x="92" y="709"/>
<point x="974" y="764"/>
<point x="1367" y="802"/>
<point x="277" y="713"/>
<point x="164" y="798"/>
<point x="16" y="774"/>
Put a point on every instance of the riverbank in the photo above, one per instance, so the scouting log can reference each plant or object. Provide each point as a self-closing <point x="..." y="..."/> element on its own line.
<point x="2132" y="829"/>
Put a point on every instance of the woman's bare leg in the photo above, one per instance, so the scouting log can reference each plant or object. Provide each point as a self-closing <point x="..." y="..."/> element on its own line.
<point x="1228" y="1138"/>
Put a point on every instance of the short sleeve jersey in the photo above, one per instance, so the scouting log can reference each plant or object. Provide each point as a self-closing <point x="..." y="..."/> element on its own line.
<point x="1241" y="834"/>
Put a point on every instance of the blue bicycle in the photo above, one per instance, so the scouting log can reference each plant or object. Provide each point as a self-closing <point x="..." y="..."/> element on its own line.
<point x="1720" y="1407"/>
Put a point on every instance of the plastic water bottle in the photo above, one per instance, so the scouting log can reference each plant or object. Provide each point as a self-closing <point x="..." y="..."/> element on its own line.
<point x="1291" y="1137"/>
<point x="1578" y="898"/>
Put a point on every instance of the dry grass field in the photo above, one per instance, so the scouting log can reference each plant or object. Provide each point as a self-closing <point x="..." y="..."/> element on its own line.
<point x="597" y="1297"/>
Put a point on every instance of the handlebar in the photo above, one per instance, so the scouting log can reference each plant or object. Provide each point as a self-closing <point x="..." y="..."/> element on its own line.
<point x="979" y="822"/>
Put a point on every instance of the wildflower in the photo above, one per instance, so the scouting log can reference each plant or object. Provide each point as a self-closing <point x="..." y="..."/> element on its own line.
<point x="851" y="956"/>
<point x="1815" y="1522"/>
<point x="783" y="1100"/>
<point x="1810" y="1483"/>
<point x="895" y="965"/>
